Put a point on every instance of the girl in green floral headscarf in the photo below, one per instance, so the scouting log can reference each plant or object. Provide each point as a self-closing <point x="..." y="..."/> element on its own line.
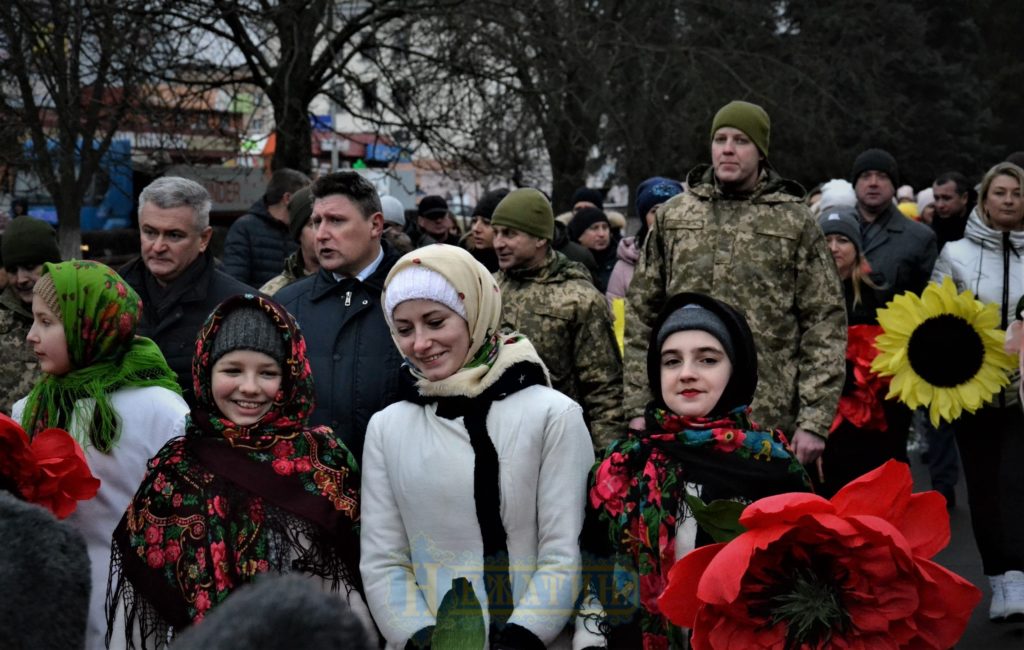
<point x="110" y="388"/>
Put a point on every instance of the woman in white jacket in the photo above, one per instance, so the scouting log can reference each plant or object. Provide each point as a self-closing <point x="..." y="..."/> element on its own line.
<point x="479" y="474"/>
<point x="988" y="261"/>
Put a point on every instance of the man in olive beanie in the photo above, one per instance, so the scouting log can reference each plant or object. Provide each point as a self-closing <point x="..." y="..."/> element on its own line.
<point x="303" y="261"/>
<point x="746" y="117"/>
<point x="742" y="234"/>
<point x="27" y="244"/>
<point x="552" y="300"/>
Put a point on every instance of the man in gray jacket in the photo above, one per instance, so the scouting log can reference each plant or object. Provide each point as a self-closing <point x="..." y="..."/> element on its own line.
<point x="902" y="250"/>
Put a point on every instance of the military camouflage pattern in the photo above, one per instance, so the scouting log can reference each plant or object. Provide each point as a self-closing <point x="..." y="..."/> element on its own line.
<point x="765" y="255"/>
<point x="294" y="270"/>
<point x="19" y="368"/>
<point x="558" y="308"/>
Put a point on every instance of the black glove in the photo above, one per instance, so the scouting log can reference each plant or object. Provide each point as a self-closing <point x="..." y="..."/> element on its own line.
<point x="420" y="640"/>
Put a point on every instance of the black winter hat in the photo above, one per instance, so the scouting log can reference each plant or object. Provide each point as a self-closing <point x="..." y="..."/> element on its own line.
<point x="584" y="219"/>
<point x="432" y="207"/>
<point x="248" y="328"/>
<point x="877" y="160"/>
<point x="742" y="383"/>
<point x="588" y="194"/>
<point x="490" y="200"/>
<point x="29" y="242"/>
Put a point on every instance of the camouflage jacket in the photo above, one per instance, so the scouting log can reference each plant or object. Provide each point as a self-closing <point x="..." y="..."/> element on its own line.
<point x="19" y="368"/>
<point x="764" y="254"/>
<point x="557" y="307"/>
<point x="294" y="270"/>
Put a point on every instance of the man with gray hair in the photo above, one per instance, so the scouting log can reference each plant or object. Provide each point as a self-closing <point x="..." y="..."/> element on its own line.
<point x="176" y="275"/>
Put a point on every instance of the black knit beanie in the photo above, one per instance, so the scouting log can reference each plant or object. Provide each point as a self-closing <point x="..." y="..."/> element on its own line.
<point x="589" y="195"/>
<point x="584" y="219"/>
<point x="877" y="160"/>
<point x="248" y="328"/>
<point x="490" y="200"/>
<point x="300" y="210"/>
<point x="29" y="242"/>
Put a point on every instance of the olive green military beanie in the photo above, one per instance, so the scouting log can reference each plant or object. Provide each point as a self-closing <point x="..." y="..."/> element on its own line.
<point x="300" y="209"/>
<point x="747" y="117"/>
<point x="29" y="242"/>
<point x="526" y="210"/>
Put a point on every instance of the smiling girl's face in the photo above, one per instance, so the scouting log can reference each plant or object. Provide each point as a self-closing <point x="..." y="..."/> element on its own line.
<point x="694" y="372"/>
<point x="433" y="337"/>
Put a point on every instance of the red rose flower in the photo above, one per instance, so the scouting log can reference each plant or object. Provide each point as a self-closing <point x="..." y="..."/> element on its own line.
<point x="177" y="500"/>
<point x="154" y="557"/>
<point x="283" y="449"/>
<point x="303" y="465"/>
<point x="63" y="477"/>
<point x="17" y="461"/>
<point x="283" y="466"/>
<point x="202" y="602"/>
<point x="219" y="557"/>
<point x="172" y="551"/>
<point x="220" y="506"/>
<point x="850" y="572"/>
<point x="154" y="535"/>
<point x="610" y="485"/>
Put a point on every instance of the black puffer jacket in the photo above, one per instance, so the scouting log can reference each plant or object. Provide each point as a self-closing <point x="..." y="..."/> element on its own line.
<point x="256" y="246"/>
<point x="356" y="367"/>
<point x="174" y="323"/>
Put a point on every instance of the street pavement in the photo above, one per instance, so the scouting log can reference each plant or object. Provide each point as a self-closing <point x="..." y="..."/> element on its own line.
<point x="961" y="556"/>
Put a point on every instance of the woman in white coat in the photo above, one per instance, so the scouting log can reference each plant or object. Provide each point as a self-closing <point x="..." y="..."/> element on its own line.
<point x="988" y="262"/>
<point x="480" y="473"/>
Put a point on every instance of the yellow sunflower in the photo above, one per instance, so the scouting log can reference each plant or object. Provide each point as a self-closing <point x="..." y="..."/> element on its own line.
<point x="943" y="350"/>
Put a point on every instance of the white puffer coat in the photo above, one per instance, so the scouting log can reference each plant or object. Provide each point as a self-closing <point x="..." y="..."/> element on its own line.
<point x="983" y="261"/>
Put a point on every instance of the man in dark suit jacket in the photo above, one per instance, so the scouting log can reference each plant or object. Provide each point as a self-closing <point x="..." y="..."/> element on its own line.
<point x="356" y="366"/>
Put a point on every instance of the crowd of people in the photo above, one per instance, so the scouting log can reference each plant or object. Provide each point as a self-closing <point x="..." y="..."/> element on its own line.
<point x="400" y="412"/>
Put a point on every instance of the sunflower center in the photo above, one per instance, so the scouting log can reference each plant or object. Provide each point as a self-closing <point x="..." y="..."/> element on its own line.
<point x="945" y="351"/>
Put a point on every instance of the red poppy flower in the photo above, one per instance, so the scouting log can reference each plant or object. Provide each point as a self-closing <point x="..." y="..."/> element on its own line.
<point x="50" y="470"/>
<point x="850" y="572"/>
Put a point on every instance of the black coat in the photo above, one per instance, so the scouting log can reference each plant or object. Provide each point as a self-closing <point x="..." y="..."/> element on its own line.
<point x="356" y="366"/>
<point x="256" y="247"/>
<point x="174" y="324"/>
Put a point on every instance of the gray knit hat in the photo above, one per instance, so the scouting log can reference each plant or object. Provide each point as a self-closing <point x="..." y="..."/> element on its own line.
<point x="842" y="221"/>
<point x="248" y="328"/>
<point x="695" y="317"/>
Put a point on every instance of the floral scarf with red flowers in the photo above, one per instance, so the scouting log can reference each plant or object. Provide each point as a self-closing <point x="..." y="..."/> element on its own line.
<point x="99" y="313"/>
<point x="226" y="503"/>
<point x="637" y="496"/>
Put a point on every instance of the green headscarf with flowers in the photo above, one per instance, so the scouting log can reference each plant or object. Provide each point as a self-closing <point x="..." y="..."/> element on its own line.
<point x="100" y="313"/>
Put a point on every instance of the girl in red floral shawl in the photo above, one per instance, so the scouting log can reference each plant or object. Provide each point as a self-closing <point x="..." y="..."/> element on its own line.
<point x="249" y="489"/>
<point x="699" y="446"/>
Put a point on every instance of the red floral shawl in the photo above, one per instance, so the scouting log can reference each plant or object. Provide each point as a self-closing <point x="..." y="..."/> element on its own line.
<point x="226" y="503"/>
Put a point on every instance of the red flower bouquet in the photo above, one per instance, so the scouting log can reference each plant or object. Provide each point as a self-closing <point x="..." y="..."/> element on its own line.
<point x="50" y="470"/>
<point x="861" y="401"/>
<point x="850" y="572"/>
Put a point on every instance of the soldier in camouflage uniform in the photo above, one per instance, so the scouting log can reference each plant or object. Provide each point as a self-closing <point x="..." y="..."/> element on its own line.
<point x="742" y="235"/>
<point x="552" y="300"/>
<point x="27" y="244"/>
<point x="303" y="261"/>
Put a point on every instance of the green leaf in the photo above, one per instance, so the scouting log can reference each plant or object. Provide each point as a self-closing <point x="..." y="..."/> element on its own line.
<point x="460" y="620"/>
<point x="720" y="518"/>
